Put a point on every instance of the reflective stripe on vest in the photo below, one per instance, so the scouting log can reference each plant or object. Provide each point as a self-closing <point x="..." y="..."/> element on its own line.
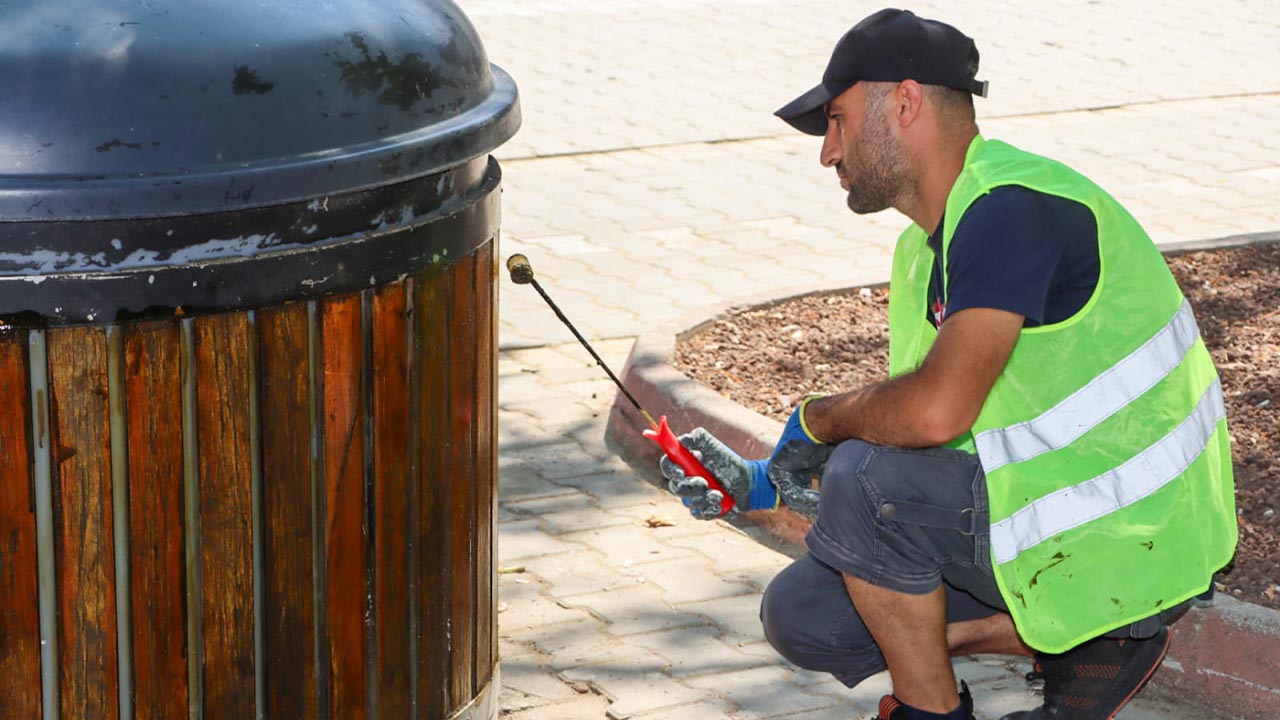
<point x="1105" y="395"/>
<point x="1142" y="475"/>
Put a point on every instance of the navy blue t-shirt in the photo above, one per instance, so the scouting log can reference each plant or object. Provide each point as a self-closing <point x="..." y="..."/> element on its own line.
<point x="1018" y="250"/>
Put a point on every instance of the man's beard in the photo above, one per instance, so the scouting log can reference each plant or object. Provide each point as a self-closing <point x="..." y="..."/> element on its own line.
<point x="880" y="165"/>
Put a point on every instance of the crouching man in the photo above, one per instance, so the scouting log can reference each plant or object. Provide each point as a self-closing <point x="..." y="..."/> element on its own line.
<point x="1046" y="471"/>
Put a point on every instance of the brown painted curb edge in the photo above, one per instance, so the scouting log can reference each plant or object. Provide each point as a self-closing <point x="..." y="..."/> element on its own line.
<point x="1226" y="657"/>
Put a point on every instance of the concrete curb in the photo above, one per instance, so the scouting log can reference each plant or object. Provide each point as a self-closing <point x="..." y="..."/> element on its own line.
<point x="1226" y="657"/>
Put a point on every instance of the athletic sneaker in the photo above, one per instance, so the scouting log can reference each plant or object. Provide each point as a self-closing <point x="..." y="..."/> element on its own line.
<point x="1094" y="680"/>
<point x="892" y="709"/>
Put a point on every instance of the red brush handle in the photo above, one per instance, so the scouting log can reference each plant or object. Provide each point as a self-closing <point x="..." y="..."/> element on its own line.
<point x="681" y="456"/>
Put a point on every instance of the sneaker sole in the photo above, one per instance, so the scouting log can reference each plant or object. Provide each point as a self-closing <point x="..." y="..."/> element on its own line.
<point x="1168" y="638"/>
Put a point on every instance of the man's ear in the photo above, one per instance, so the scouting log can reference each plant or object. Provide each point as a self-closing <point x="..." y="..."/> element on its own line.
<point x="908" y="100"/>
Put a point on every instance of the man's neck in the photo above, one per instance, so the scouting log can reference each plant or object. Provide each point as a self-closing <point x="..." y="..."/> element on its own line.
<point x="937" y="168"/>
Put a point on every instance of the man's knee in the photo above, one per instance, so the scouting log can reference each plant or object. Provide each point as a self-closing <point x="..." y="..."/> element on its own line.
<point x="783" y="626"/>
<point x="809" y="619"/>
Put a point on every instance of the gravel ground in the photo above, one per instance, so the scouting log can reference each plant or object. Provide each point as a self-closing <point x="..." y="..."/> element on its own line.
<point x="767" y="358"/>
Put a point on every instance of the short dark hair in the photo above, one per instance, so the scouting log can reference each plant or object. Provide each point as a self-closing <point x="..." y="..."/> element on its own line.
<point x="956" y="104"/>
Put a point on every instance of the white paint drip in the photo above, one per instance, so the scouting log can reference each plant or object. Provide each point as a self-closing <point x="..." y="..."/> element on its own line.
<point x="1242" y="681"/>
<point x="48" y="261"/>
<point x="387" y="219"/>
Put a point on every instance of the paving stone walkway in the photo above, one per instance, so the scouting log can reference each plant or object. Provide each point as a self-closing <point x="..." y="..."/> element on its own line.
<point x="650" y="180"/>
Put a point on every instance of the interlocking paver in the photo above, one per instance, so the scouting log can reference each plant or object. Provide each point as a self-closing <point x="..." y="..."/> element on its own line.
<point x="687" y="580"/>
<point x="614" y="491"/>
<point x="554" y="461"/>
<point x="538" y="505"/>
<point x="991" y="669"/>
<point x="583" y="707"/>
<point x="738" y="617"/>
<point x="631" y="544"/>
<point x="701" y="711"/>
<point x="650" y="179"/>
<point x="582" y="572"/>
<point x="662" y="509"/>
<point x="635" y="686"/>
<point x="521" y="483"/>
<point x="526" y="676"/>
<point x="525" y="607"/>
<point x="755" y="692"/>
<point x="588" y="644"/>
<point x="561" y="515"/>
<point x="733" y="552"/>
<point x="697" y="651"/>
<point x="635" y="609"/>
<point x="525" y="539"/>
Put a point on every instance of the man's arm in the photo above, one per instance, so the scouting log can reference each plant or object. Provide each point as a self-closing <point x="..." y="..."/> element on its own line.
<point x="937" y="402"/>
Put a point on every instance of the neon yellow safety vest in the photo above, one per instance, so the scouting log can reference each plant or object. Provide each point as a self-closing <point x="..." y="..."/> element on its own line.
<point x="1104" y="440"/>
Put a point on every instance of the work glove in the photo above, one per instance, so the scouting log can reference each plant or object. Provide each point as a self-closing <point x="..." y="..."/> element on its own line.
<point x="797" y="462"/>
<point x="795" y="471"/>
<point x="747" y="481"/>
<point x="796" y="430"/>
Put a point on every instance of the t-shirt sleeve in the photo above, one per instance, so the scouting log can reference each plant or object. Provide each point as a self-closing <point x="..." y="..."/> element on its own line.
<point x="1006" y="251"/>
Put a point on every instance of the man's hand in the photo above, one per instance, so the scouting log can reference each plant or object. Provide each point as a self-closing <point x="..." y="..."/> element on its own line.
<point x="797" y="462"/>
<point x="795" y="469"/>
<point x="746" y="481"/>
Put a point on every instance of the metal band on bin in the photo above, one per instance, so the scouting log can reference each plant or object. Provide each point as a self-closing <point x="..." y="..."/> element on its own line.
<point x="77" y="272"/>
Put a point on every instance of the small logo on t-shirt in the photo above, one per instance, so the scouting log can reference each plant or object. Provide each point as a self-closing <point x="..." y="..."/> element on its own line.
<point x="939" y="312"/>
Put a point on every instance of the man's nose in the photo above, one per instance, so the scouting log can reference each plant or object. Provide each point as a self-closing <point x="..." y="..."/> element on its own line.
<point x="831" y="153"/>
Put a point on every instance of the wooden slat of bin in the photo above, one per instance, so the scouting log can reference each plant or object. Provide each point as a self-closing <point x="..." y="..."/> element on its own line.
<point x="486" y="468"/>
<point x="289" y="642"/>
<point x="221" y="363"/>
<point x="19" y="610"/>
<point x="462" y="371"/>
<point x="432" y="294"/>
<point x="342" y="445"/>
<point x="153" y="412"/>
<point x="83" y="540"/>
<point x="391" y="500"/>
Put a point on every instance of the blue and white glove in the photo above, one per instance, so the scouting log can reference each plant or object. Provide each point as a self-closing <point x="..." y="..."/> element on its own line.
<point x="796" y="471"/>
<point x="796" y="429"/>
<point x="797" y="463"/>
<point x="747" y="481"/>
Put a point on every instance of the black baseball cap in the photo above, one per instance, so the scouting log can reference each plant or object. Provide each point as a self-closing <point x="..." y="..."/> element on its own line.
<point x="889" y="46"/>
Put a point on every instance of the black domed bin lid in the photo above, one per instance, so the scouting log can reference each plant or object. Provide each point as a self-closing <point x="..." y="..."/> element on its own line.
<point x="163" y="153"/>
<point x="141" y="108"/>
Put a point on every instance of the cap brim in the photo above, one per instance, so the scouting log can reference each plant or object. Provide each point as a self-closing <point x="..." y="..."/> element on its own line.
<point x="806" y="113"/>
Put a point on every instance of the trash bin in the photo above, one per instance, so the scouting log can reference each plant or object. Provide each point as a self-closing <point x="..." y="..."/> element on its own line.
<point x="247" y="352"/>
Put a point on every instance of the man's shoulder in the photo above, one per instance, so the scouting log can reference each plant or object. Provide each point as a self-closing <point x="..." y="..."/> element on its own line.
<point x="1019" y="209"/>
<point x="1019" y="199"/>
